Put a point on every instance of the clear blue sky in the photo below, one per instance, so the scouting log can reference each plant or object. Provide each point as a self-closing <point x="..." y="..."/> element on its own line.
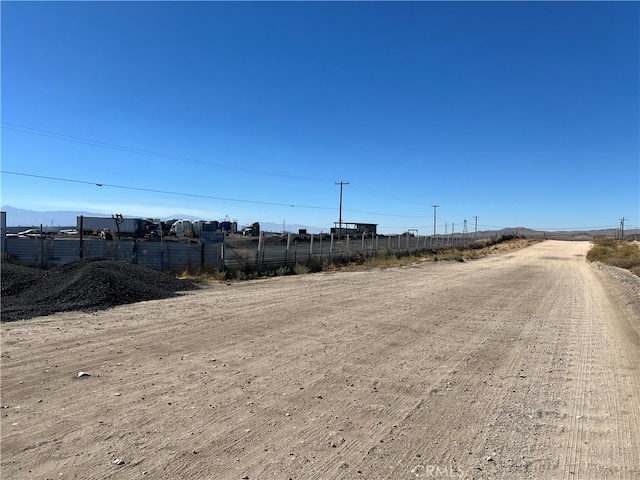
<point x="523" y="114"/>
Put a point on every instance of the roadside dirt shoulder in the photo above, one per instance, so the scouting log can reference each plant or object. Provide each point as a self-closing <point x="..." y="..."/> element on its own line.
<point x="626" y="286"/>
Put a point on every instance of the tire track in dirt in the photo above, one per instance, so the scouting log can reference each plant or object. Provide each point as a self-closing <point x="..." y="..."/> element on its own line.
<point x="451" y="414"/>
<point x="601" y="393"/>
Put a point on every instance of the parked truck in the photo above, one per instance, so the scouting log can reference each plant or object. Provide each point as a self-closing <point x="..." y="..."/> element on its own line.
<point x="182" y="228"/>
<point x="251" y="230"/>
<point x="228" y="226"/>
<point x="194" y="228"/>
<point x="135" y="227"/>
<point x="200" y="226"/>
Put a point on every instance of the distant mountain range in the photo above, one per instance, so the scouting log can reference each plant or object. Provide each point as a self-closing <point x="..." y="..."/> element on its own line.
<point x="562" y="234"/>
<point x="18" y="217"/>
<point x="30" y="218"/>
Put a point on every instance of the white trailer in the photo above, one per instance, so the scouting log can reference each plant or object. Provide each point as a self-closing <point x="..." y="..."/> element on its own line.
<point x="96" y="225"/>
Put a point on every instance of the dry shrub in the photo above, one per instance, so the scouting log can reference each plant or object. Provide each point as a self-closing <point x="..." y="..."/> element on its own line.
<point x="282" y="271"/>
<point x="617" y="253"/>
<point x="300" y="269"/>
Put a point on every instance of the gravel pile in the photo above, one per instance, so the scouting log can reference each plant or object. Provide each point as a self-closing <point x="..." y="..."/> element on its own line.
<point x="85" y="285"/>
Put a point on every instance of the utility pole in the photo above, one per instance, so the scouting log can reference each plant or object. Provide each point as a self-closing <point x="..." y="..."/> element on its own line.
<point x="622" y="227"/>
<point x="340" y="219"/>
<point x="434" y="219"/>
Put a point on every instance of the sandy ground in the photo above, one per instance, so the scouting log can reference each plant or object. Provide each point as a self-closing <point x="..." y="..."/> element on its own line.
<point x="519" y="365"/>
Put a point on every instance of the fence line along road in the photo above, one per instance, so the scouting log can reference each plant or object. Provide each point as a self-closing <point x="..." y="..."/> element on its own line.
<point x="265" y="252"/>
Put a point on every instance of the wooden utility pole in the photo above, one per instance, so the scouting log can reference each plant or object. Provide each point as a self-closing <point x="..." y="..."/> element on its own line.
<point x="622" y="228"/>
<point x="340" y="219"/>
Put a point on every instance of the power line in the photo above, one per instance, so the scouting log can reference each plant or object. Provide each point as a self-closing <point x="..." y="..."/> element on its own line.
<point x="384" y="195"/>
<point x="148" y="153"/>
<point x="194" y="195"/>
<point x="166" y="192"/>
<point x="622" y="227"/>
<point x="317" y="207"/>
<point x="383" y="214"/>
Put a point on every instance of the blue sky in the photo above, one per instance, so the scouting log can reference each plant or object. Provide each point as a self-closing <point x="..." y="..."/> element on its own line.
<point x="519" y="113"/>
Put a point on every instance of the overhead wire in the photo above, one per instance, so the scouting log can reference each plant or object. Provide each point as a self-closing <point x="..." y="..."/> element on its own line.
<point x="195" y="195"/>
<point x="96" y="143"/>
<point x="317" y="207"/>
<point x="166" y="192"/>
<point x="137" y="151"/>
<point x="385" y="195"/>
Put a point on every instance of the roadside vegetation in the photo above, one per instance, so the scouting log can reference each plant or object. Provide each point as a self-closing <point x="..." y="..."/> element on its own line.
<point x="617" y="253"/>
<point x="359" y="262"/>
<point x="479" y="250"/>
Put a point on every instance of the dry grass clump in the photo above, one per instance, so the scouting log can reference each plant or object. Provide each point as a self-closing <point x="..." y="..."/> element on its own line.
<point x="617" y="253"/>
<point x="447" y="255"/>
<point x="199" y="275"/>
<point x="360" y="262"/>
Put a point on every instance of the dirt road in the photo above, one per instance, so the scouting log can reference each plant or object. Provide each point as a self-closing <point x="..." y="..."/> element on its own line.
<point x="520" y="365"/>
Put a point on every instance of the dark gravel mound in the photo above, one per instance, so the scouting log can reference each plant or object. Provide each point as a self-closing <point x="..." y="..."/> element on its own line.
<point x="85" y="285"/>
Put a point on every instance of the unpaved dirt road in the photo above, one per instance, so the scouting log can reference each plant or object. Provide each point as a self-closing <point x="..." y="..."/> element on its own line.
<point x="519" y="365"/>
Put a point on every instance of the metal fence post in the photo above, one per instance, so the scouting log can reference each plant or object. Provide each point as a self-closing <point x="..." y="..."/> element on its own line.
<point x="348" y="247"/>
<point x="258" y="252"/>
<point x="331" y="248"/>
<point x="81" y="234"/>
<point x="3" y="232"/>
<point x="286" y="253"/>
